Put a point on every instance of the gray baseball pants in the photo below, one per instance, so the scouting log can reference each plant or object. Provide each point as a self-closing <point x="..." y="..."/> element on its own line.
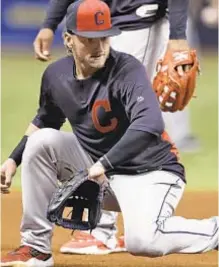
<point x="147" y="200"/>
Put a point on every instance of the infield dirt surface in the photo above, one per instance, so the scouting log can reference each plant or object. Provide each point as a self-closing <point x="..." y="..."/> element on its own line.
<point x="193" y="204"/>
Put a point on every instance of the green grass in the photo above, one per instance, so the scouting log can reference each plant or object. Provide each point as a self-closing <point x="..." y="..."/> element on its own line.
<point x="202" y="168"/>
<point x="21" y="76"/>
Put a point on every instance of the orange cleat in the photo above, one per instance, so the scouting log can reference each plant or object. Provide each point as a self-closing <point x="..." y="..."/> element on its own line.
<point x="27" y="256"/>
<point x="84" y="243"/>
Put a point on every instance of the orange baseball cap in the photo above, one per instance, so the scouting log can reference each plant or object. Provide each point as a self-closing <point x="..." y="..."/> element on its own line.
<point x="91" y="19"/>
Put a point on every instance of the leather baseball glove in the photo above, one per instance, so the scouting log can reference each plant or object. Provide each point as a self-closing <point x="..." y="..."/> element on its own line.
<point x="78" y="193"/>
<point x="173" y="90"/>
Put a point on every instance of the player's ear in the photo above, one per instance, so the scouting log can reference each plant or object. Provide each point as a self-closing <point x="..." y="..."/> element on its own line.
<point x="67" y="38"/>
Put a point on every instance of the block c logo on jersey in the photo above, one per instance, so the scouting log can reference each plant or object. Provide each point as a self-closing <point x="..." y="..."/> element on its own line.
<point x="99" y="18"/>
<point x="113" y="122"/>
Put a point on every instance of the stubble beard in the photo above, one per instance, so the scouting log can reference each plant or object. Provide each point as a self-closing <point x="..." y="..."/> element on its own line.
<point x="89" y="63"/>
<point x="96" y="62"/>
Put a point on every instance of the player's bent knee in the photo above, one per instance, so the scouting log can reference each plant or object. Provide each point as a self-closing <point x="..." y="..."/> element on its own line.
<point x="144" y="247"/>
<point x="39" y="141"/>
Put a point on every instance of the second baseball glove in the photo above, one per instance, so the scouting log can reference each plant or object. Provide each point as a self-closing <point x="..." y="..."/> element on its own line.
<point x="78" y="193"/>
<point x="174" y="91"/>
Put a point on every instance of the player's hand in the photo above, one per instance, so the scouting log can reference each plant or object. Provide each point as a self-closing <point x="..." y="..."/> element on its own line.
<point x="178" y="45"/>
<point x="42" y="44"/>
<point x="8" y="170"/>
<point x="97" y="172"/>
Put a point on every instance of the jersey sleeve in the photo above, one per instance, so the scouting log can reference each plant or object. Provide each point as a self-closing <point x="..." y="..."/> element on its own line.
<point x="55" y="13"/>
<point x="178" y="10"/>
<point x="48" y="114"/>
<point x="140" y="102"/>
<point x="129" y="147"/>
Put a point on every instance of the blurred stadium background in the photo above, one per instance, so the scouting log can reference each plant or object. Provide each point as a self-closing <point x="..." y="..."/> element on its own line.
<point x="21" y="75"/>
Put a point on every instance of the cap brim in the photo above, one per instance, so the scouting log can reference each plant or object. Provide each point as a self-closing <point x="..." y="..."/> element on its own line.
<point x="98" y="34"/>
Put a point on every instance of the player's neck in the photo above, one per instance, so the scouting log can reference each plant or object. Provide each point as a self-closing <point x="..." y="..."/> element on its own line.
<point x="83" y="71"/>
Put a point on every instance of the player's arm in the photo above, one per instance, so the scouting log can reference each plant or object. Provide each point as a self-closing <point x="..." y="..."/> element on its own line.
<point x="9" y="167"/>
<point x="55" y="13"/>
<point x="175" y="80"/>
<point x="48" y="115"/>
<point x="146" y="123"/>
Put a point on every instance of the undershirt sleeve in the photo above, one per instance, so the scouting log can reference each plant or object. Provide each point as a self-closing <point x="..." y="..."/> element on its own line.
<point x="56" y="11"/>
<point x="178" y="14"/>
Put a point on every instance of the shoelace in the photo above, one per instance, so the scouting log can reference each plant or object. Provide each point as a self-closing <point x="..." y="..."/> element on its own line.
<point x="22" y="250"/>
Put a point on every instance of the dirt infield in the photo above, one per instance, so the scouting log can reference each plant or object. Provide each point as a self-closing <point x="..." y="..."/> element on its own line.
<point x="197" y="205"/>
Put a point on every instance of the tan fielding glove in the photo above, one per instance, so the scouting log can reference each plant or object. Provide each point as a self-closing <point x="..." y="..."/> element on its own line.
<point x="173" y="90"/>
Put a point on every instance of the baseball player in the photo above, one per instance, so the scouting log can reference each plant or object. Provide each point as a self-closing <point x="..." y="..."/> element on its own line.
<point x="117" y="128"/>
<point x="146" y="34"/>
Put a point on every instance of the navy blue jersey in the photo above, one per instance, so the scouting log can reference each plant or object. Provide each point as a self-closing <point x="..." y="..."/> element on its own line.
<point x="130" y="14"/>
<point x="103" y="107"/>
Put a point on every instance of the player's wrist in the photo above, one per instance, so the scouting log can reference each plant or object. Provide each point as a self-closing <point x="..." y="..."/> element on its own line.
<point x="11" y="161"/>
<point x="104" y="161"/>
<point x="49" y="27"/>
<point x="100" y="165"/>
<point x="178" y="44"/>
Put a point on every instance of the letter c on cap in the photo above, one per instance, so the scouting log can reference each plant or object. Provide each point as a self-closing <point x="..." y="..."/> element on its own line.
<point x="99" y="18"/>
